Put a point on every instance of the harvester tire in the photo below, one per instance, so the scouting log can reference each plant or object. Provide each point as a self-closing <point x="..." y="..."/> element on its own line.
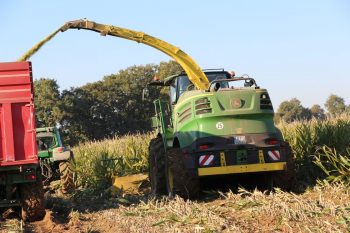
<point x="180" y="180"/>
<point x="265" y="181"/>
<point x="156" y="163"/>
<point x="285" y="180"/>
<point x="67" y="177"/>
<point x="32" y="201"/>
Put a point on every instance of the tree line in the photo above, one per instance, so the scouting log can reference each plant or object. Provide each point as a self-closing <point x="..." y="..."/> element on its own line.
<point x="114" y="106"/>
<point x="293" y="110"/>
<point x="102" y="109"/>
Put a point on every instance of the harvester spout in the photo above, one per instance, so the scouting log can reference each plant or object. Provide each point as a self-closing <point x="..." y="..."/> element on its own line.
<point x="194" y="72"/>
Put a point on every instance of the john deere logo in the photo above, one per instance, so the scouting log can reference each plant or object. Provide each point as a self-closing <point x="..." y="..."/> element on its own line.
<point x="236" y="103"/>
<point x="219" y="125"/>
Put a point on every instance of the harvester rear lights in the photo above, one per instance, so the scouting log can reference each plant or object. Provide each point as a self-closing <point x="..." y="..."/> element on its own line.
<point x="203" y="147"/>
<point x="272" y="141"/>
<point x="206" y="146"/>
<point x="30" y="177"/>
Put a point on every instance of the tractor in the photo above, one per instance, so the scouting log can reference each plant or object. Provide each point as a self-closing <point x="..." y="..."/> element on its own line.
<point x="225" y="129"/>
<point x="55" y="159"/>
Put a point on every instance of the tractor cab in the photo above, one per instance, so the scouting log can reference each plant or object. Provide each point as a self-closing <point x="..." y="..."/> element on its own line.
<point x="47" y="140"/>
<point x="55" y="159"/>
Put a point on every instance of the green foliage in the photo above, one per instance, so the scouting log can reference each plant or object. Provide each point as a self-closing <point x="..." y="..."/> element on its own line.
<point x="334" y="165"/>
<point x="96" y="162"/>
<point x="103" y="109"/>
<point x="292" y="110"/>
<point x="308" y="137"/>
<point x="335" y="105"/>
<point x="165" y="69"/>
<point x="109" y="107"/>
<point x="347" y="109"/>
<point x="317" y="112"/>
<point x="47" y="102"/>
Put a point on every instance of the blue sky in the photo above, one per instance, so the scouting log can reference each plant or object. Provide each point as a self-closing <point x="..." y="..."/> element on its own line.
<point x="293" y="48"/>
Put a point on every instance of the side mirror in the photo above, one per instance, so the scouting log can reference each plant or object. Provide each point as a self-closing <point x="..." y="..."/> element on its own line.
<point x="145" y="93"/>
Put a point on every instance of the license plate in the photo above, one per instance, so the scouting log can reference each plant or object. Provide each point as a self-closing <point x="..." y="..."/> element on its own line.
<point x="238" y="140"/>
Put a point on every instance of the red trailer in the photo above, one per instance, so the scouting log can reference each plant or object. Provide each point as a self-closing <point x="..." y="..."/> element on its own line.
<point x="20" y="183"/>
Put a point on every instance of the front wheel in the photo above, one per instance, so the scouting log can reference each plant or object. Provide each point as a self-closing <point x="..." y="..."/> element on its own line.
<point x="180" y="180"/>
<point x="157" y="166"/>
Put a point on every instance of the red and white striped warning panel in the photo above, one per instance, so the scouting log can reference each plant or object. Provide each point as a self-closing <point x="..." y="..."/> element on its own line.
<point x="206" y="160"/>
<point x="274" y="155"/>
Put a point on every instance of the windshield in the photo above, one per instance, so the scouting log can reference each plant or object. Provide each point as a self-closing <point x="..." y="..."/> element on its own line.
<point x="184" y="82"/>
<point x="45" y="141"/>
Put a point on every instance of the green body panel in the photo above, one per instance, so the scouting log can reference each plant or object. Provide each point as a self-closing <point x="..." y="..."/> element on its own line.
<point x="233" y="112"/>
<point x="225" y="117"/>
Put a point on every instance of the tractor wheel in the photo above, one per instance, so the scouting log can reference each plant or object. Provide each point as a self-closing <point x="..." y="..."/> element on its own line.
<point x="67" y="177"/>
<point x="156" y="163"/>
<point x="32" y="201"/>
<point x="286" y="179"/>
<point x="179" y="180"/>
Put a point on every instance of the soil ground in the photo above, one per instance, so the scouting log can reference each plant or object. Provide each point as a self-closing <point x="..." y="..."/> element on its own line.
<point x="323" y="208"/>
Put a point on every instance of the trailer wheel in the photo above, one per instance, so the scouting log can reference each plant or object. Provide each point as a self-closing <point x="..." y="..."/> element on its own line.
<point x="286" y="179"/>
<point x="179" y="180"/>
<point x="67" y="177"/>
<point x="32" y="201"/>
<point x="156" y="161"/>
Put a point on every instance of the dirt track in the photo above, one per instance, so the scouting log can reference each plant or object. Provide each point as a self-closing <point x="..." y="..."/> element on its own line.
<point x="320" y="209"/>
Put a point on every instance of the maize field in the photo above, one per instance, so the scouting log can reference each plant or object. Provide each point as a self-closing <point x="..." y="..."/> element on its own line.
<point x="96" y="162"/>
<point x="322" y="154"/>
<point x="316" y="145"/>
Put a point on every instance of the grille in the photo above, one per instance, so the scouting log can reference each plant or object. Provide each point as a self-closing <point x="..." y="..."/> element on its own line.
<point x="265" y="102"/>
<point x="203" y="106"/>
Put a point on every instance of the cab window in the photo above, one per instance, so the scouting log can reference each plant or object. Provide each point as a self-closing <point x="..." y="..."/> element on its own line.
<point x="182" y="82"/>
<point x="173" y="92"/>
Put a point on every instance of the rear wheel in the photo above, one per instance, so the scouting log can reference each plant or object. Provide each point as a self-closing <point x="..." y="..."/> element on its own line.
<point x="179" y="180"/>
<point x="286" y="179"/>
<point x="32" y="201"/>
<point x="157" y="166"/>
<point x="67" y="177"/>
